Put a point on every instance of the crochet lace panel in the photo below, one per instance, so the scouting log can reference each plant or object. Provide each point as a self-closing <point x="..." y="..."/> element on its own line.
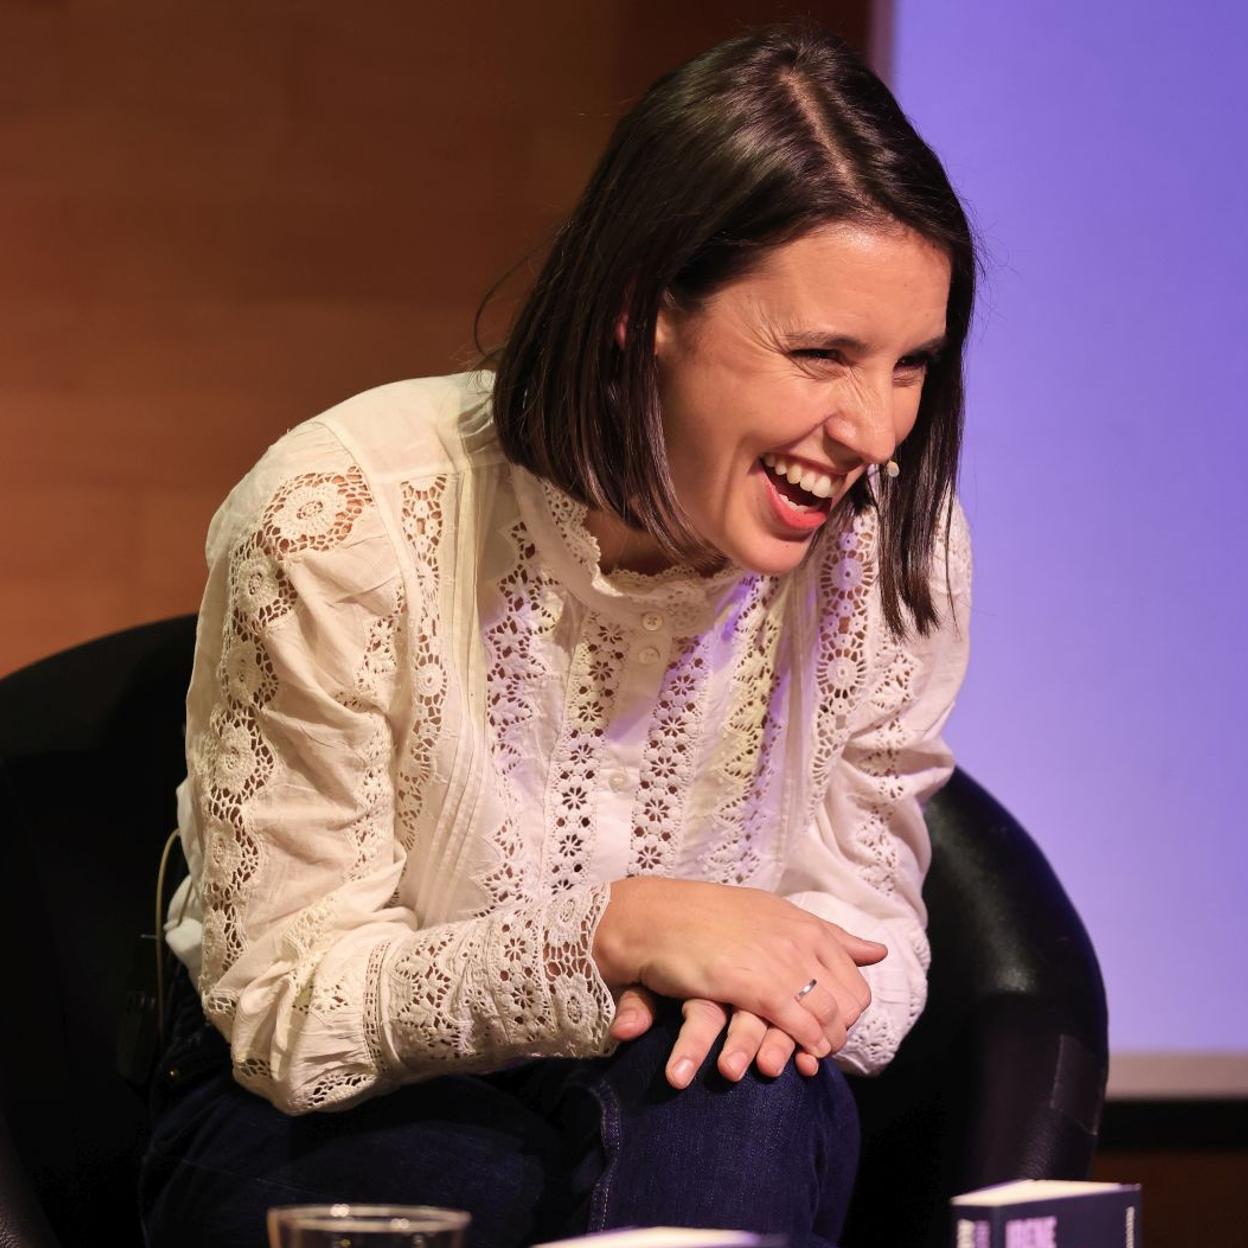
<point x="845" y="582"/>
<point x="423" y="523"/>
<point x="741" y="761"/>
<point x="372" y="829"/>
<point x="570" y="822"/>
<point x="474" y="992"/>
<point x="860" y="667"/>
<point x="667" y="766"/>
<point x="502" y="987"/>
<point x="516" y="665"/>
<point x="875" y="1037"/>
<point x="743" y="837"/>
<point x="232" y="760"/>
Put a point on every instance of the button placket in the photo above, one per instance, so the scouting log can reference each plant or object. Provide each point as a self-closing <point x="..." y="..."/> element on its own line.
<point x="650" y="653"/>
<point x="649" y="644"/>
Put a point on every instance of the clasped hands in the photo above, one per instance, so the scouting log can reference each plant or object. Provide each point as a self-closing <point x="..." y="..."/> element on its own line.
<point x="737" y="958"/>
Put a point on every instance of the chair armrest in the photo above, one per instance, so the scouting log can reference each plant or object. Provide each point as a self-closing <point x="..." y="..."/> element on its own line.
<point x="1003" y="1075"/>
<point x="1001" y="925"/>
<point x="1034" y="1095"/>
<point x="22" y="1222"/>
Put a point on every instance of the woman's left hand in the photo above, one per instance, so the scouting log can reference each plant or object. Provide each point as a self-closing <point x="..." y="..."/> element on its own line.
<point x="749" y="1039"/>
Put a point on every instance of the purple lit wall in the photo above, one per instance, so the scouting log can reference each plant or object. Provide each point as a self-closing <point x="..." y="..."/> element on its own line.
<point x="1103" y="150"/>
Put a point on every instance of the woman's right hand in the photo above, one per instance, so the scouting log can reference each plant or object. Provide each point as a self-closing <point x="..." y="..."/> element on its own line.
<point x="743" y="947"/>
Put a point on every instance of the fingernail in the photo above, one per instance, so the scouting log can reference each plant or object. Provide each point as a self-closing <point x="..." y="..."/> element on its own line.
<point x="683" y="1071"/>
<point x="626" y="1017"/>
<point x="825" y="1047"/>
<point x="735" y="1064"/>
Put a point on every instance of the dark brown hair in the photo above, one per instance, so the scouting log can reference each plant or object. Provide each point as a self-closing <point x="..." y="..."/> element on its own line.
<point x="746" y="147"/>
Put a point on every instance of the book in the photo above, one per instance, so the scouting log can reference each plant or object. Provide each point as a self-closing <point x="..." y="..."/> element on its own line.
<point x="669" y="1237"/>
<point x="1049" y="1213"/>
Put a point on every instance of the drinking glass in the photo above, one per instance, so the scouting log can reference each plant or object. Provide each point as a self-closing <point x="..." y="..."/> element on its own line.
<point x="366" y="1226"/>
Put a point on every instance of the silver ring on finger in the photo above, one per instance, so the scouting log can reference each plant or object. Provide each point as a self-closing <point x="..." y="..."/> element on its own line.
<point x="805" y="989"/>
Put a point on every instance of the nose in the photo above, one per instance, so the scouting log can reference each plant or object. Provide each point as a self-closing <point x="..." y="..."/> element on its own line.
<point x="863" y="429"/>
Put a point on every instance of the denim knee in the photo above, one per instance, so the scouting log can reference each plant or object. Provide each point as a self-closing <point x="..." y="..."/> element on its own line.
<point x="220" y="1156"/>
<point x="763" y="1153"/>
<point x="826" y="1094"/>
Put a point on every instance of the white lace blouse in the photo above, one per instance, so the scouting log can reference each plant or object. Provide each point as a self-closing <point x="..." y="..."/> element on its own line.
<point x="425" y="731"/>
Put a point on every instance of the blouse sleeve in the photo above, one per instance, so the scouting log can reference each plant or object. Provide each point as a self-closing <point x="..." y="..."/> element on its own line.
<point x="326" y="987"/>
<point x="862" y="863"/>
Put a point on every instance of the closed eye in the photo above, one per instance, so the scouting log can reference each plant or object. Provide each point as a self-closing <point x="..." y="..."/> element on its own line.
<point x="912" y="367"/>
<point x="915" y="367"/>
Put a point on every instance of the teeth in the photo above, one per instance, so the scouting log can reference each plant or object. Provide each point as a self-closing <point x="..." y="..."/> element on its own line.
<point x="784" y="498"/>
<point x="817" y="483"/>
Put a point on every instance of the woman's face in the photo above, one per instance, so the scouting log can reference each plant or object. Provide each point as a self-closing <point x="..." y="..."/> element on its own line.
<point x="813" y="362"/>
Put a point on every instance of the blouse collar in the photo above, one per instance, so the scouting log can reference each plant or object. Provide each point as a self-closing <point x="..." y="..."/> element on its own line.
<point x="688" y="601"/>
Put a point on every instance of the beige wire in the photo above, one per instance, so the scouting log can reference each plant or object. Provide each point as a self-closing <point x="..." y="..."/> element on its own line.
<point x="159" y="929"/>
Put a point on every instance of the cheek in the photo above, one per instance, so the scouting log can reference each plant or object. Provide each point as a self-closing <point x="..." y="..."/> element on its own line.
<point x="907" y="414"/>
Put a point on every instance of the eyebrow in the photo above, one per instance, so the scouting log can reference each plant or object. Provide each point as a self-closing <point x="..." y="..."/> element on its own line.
<point x="827" y="340"/>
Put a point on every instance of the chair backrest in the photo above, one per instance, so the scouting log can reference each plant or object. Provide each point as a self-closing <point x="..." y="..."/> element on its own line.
<point x="90" y="749"/>
<point x="1002" y="1077"/>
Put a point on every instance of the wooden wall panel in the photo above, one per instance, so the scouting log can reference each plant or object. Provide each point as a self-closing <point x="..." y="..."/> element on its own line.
<point x="219" y="217"/>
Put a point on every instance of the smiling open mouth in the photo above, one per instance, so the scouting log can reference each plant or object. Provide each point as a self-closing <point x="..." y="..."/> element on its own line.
<point x="799" y="487"/>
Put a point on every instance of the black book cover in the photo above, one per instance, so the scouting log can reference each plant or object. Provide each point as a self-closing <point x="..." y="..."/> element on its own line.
<point x="1042" y="1214"/>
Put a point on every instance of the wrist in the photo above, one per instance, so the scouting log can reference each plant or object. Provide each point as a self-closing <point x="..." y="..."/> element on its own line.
<point x="613" y="948"/>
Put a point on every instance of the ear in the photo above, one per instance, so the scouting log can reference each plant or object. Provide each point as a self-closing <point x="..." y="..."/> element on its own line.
<point x="664" y="330"/>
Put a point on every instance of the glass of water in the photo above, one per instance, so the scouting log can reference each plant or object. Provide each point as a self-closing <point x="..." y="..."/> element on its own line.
<point x="366" y="1226"/>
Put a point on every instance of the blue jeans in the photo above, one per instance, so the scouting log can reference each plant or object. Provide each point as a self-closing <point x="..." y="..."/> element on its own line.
<point x="546" y="1150"/>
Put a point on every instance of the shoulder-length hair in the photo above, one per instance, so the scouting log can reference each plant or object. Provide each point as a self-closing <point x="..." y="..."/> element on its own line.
<point x="746" y="147"/>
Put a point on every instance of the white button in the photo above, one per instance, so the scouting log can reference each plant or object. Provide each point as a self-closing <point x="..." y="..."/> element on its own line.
<point x="648" y="654"/>
<point x="618" y="781"/>
<point x="652" y="621"/>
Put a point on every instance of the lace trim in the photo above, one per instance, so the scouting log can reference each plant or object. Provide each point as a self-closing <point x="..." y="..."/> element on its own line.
<point x="372" y="831"/>
<point x="875" y="844"/>
<point x="526" y="620"/>
<point x="844" y="585"/>
<point x="746" y="809"/>
<point x="666" y="776"/>
<point x="845" y="582"/>
<point x="232" y="761"/>
<point x="254" y="1073"/>
<point x="679" y="592"/>
<point x="571" y="816"/>
<point x="874" y="1039"/>
<point x="423" y="523"/>
<point x="315" y="511"/>
<point x="335" y="1085"/>
<point x="373" y="1026"/>
<point x="519" y="983"/>
<point x="569" y="517"/>
<point x="219" y="1006"/>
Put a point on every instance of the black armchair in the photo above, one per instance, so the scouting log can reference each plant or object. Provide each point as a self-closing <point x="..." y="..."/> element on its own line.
<point x="1003" y="1077"/>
